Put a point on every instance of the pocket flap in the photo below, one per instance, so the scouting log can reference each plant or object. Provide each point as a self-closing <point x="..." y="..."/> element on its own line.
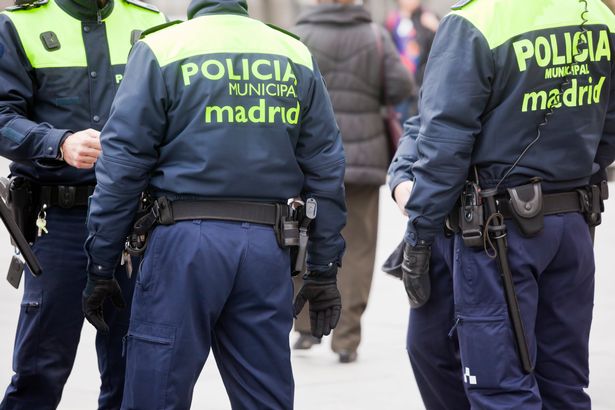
<point x="150" y="332"/>
<point x="32" y="299"/>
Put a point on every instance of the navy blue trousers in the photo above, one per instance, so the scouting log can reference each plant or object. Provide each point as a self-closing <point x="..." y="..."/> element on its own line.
<point x="433" y="355"/>
<point x="554" y="278"/>
<point x="216" y="285"/>
<point x="51" y="319"/>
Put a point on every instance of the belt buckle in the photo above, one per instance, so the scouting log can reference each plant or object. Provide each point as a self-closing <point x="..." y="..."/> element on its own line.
<point x="66" y="196"/>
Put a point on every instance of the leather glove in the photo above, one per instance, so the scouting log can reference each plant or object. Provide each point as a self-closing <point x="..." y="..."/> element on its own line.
<point x="325" y="303"/>
<point x="97" y="290"/>
<point x="415" y="271"/>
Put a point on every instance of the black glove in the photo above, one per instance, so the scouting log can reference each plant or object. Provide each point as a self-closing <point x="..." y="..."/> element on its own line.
<point x="325" y="303"/>
<point x="415" y="270"/>
<point x="93" y="298"/>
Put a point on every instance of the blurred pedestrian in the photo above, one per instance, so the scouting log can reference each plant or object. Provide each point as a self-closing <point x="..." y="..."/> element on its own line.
<point x="413" y="29"/>
<point x="342" y="38"/>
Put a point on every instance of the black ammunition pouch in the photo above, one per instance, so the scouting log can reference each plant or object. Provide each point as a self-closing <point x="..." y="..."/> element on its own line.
<point x="592" y="202"/>
<point x="526" y="206"/>
<point x="284" y="219"/>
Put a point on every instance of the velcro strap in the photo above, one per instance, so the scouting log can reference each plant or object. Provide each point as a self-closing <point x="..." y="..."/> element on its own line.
<point x="66" y="196"/>
<point x="252" y="212"/>
<point x="560" y="203"/>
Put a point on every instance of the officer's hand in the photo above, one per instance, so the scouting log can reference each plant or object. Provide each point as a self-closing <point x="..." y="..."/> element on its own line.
<point x="325" y="303"/>
<point x="402" y="195"/>
<point x="81" y="149"/>
<point x="97" y="290"/>
<point x="415" y="269"/>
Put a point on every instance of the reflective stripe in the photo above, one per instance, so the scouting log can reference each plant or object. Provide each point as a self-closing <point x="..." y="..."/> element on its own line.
<point x="124" y="19"/>
<point x="30" y="23"/>
<point x="500" y="21"/>
<point x="201" y="36"/>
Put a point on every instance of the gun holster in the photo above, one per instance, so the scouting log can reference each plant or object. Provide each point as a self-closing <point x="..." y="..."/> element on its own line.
<point x="295" y="237"/>
<point x="22" y="203"/>
<point x="136" y="242"/>
<point x="526" y="205"/>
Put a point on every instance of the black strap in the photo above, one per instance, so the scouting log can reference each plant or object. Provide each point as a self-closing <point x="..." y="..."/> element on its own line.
<point x="560" y="203"/>
<point x="380" y="47"/>
<point x="252" y="212"/>
<point x="66" y="196"/>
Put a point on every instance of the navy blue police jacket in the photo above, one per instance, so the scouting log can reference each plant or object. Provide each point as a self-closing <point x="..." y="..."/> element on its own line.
<point x="61" y="63"/>
<point x="495" y="70"/>
<point x="400" y="169"/>
<point x="219" y="107"/>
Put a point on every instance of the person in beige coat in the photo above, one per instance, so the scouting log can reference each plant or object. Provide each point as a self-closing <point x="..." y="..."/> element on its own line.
<point x="342" y="38"/>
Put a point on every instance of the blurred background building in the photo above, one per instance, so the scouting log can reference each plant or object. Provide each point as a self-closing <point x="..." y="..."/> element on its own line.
<point x="284" y="12"/>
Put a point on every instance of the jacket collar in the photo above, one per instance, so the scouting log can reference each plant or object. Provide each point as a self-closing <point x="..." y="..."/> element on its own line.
<point x="85" y="10"/>
<point x="199" y="8"/>
<point x="335" y="14"/>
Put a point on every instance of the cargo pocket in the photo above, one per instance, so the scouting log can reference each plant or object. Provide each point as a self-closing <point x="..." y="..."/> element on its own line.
<point x="149" y="349"/>
<point x="28" y="333"/>
<point x="488" y="351"/>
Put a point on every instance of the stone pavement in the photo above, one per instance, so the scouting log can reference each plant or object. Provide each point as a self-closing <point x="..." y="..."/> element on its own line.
<point x="380" y="379"/>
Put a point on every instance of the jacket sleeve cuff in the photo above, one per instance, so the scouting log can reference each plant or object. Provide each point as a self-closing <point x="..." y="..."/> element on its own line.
<point x="396" y="180"/>
<point x="323" y="272"/>
<point x="100" y="270"/>
<point x="414" y="237"/>
<point x="54" y="139"/>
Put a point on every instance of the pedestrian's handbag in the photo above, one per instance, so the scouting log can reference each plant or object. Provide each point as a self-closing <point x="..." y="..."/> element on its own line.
<point x="390" y="117"/>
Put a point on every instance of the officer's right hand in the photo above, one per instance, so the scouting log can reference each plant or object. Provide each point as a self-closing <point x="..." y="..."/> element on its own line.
<point x="402" y="195"/>
<point x="81" y="149"/>
<point x="324" y="300"/>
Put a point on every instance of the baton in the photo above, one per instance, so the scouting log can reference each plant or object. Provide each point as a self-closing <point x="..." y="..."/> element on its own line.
<point x="497" y="229"/>
<point x="19" y="240"/>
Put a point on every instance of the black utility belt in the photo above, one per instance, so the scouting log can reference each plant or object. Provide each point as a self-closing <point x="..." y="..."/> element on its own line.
<point x="290" y="223"/>
<point x="527" y="206"/>
<point x="277" y="215"/>
<point x="251" y="212"/>
<point x="64" y="196"/>
<point x="29" y="200"/>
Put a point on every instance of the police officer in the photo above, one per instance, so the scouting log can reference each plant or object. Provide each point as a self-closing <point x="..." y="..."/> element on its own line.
<point x="61" y="63"/>
<point x="221" y="131"/>
<point x="433" y="353"/>
<point x="519" y="94"/>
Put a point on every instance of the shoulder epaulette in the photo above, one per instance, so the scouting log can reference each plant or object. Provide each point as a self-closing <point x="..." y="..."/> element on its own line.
<point x="159" y="27"/>
<point x="288" y="33"/>
<point x="25" y="5"/>
<point x="143" y="5"/>
<point x="461" y="4"/>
